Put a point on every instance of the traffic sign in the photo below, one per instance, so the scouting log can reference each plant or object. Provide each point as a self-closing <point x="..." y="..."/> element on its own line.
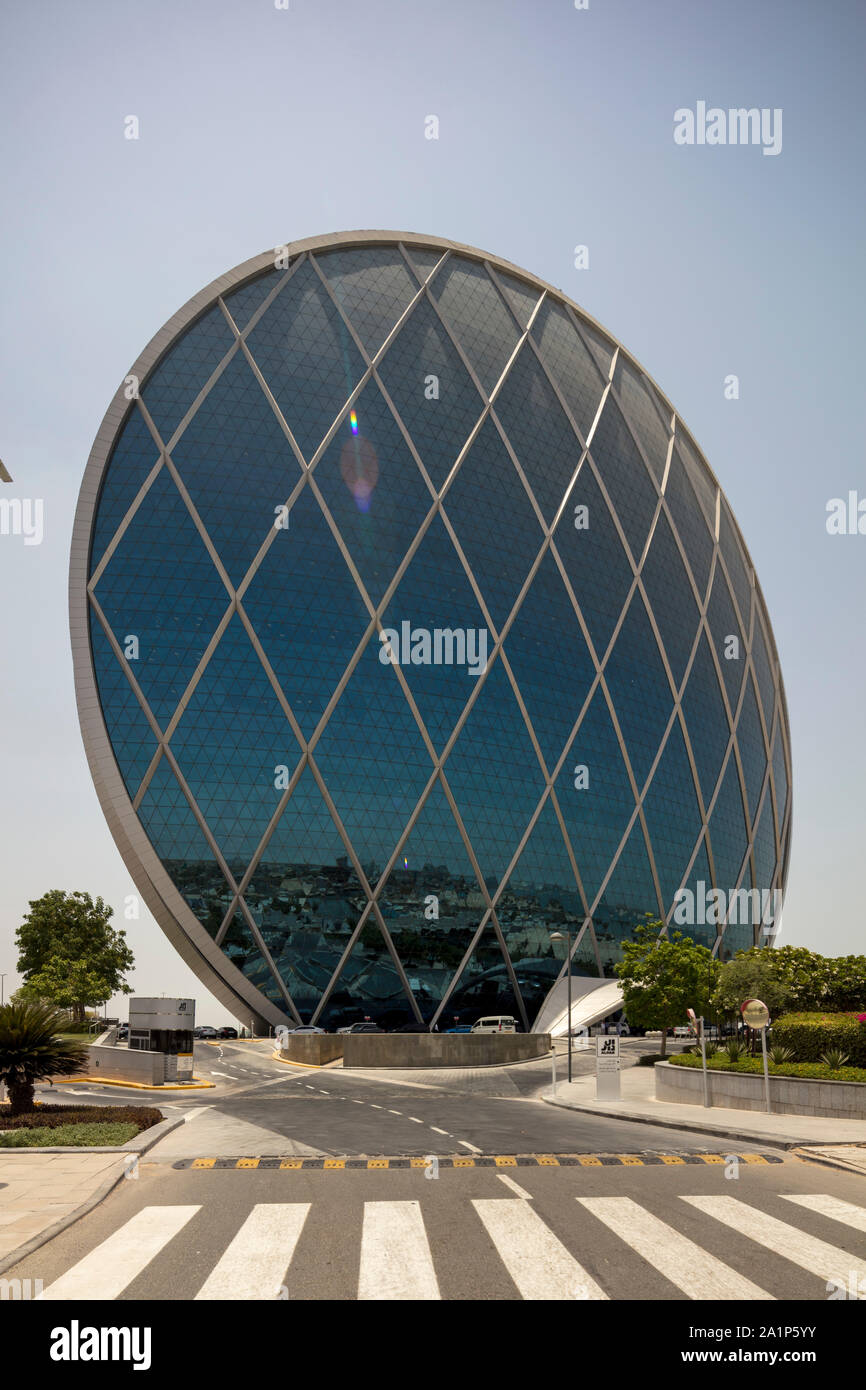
<point x="755" y="1013"/>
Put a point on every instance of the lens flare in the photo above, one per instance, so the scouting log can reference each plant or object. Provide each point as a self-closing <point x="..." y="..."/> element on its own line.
<point x="353" y="421"/>
<point x="359" y="467"/>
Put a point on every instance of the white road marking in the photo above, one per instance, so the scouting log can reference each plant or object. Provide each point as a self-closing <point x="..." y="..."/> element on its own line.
<point x="107" y="1270"/>
<point x="515" y="1187"/>
<point x="360" y="1102"/>
<point x="414" y="1119"/>
<point x="467" y="1145"/>
<point x="395" y="1112"/>
<point x="255" y="1262"/>
<point x="693" y="1270"/>
<point x="229" y="1074"/>
<point x="395" y="1255"/>
<point x="375" y="1106"/>
<point x="539" y="1264"/>
<point x="833" y="1207"/>
<point x="816" y="1256"/>
<point x="193" y="1113"/>
<point x="437" y="1130"/>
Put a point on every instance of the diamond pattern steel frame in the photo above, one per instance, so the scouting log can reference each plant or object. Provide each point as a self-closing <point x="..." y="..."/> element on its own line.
<point x="194" y="944"/>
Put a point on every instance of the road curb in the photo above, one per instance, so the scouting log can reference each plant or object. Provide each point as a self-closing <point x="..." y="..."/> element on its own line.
<point x="196" y="1085"/>
<point x="742" y="1136"/>
<point x="803" y="1151"/>
<point x="149" y="1137"/>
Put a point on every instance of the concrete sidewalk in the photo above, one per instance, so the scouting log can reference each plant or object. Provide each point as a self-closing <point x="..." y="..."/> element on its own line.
<point x="638" y="1102"/>
<point x="39" y="1191"/>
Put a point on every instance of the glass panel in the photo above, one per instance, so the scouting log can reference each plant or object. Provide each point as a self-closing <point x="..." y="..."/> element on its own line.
<point x="689" y="522"/>
<point x="602" y="347"/>
<point x="538" y="431"/>
<point x="522" y="297"/>
<point x="624" y="475"/>
<point x="751" y="744"/>
<point x="569" y="362"/>
<point x="593" y="558"/>
<point x="627" y="900"/>
<point x="723" y="626"/>
<point x="706" y="720"/>
<point x="550" y="660"/>
<point x="242" y="951"/>
<point x="484" y="986"/>
<point x="373" y="490"/>
<point x="670" y="598"/>
<point x="237" y="466"/>
<point x="132" y="739"/>
<point x="230" y="742"/>
<point x="368" y="986"/>
<point x="161" y="587"/>
<point x="672" y="815"/>
<point x="700" y="926"/>
<point x="728" y="838"/>
<point x="306" y="611"/>
<point x="423" y="261"/>
<point x="132" y="458"/>
<point x="780" y="776"/>
<point x="765" y="846"/>
<point x="736" y="568"/>
<point x="372" y="286"/>
<point x="243" y="303"/>
<point x="431" y="390"/>
<point x="306" y="355"/>
<point x="700" y="479"/>
<point x="639" y="689"/>
<point x="438" y="633"/>
<point x="761" y="658"/>
<point x="473" y="310"/>
<point x="171" y="389"/>
<point x="494" y="521"/>
<point x="641" y="415"/>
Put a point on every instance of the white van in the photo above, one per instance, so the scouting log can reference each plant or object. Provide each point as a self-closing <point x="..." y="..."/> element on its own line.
<point x="495" y="1023"/>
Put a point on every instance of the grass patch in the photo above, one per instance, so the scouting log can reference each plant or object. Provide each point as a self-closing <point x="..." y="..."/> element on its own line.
<point x="81" y="1135"/>
<point x="808" y="1071"/>
<point x="58" y="1116"/>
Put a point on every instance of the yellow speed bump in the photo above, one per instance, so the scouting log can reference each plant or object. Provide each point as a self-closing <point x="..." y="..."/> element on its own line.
<point x="503" y="1161"/>
<point x="464" y="1163"/>
<point x="418" y="1162"/>
<point x="753" y="1158"/>
<point x="711" y="1158"/>
<point x="292" y="1163"/>
<point x="587" y="1162"/>
<point x="335" y="1163"/>
<point x="548" y="1161"/>
<point x="377" y="1162"/>
<point x="631" y="1160"/>
<point x="247" y="1163"/>
<point x="203" y="1162"/>
<point x="671" y="1158"/>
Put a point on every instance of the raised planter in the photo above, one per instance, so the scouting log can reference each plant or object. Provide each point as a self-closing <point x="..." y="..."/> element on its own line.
<point x="312" y="1049"/>
<point x="364" y="1050"/>
<point x="789" y="1095"/>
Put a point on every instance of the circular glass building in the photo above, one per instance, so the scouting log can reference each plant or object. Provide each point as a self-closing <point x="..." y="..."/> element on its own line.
<point x="410" y="627"/>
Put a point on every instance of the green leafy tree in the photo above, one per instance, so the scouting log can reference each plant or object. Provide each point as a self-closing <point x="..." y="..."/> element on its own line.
<point x="752" y="974"/>
<point x="69" y="954"/>
<point x="663" y="977"/>
<point x="32" y="1049"/>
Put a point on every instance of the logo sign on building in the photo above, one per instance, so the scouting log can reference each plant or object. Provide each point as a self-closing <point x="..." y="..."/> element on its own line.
<point x="607" y="1054"/>
<point x="755" y="1013"/>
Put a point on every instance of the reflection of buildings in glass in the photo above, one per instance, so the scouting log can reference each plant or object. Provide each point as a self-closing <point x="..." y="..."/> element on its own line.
<point x="392" y="436"/>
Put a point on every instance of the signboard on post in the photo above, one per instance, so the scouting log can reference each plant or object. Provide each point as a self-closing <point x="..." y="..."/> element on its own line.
<point x="607" y="1067"/>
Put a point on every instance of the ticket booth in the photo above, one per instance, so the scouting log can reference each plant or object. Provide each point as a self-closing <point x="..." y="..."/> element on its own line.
<point x="166" y="1026"/>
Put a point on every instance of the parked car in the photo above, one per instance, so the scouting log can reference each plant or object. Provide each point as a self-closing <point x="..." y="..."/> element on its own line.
<point x="682" y="1031"/>
<point x="305" y="1028"/>
<point x="227" y="1032"/>
<point x="362" y="1028"/>
<point x="495" y="1023"/>
<point x="460" y="1028"/>
<point x="205" y="1032"/>
<point x="123" y="1031"/>
<point x="414" y="1027"/>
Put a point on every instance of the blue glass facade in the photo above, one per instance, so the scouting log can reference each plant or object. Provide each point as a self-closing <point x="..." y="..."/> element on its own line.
<point x="419" y="630"/>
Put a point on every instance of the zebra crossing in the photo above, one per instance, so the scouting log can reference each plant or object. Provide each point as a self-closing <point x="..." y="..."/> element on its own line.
<point x="396" y="1259"/>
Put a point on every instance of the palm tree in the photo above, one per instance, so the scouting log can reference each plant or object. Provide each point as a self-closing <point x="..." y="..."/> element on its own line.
<point x="31" y="1049"/>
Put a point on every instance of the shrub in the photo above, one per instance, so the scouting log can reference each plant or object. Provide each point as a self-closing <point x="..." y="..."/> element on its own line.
<point x="807" y="1071"/>
<point x="780" y="1055"/>
<point x="710" y="1048"/>
<point x="56" y="1116"/>
<point x="810" y="1035"/>
<point x="834" y="1058"/>
<point x="734" y="1050"/>
<point x="649" y="1059"/>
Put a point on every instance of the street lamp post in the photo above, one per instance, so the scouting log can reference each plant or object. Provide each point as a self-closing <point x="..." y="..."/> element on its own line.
<point x="3" y="988"/>
<point x="558" y="936"/>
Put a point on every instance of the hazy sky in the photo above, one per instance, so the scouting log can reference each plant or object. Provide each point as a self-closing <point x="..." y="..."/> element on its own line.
<point x="259" y="126"/>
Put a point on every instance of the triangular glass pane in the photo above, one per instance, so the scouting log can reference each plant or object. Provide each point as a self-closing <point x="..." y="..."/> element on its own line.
<point x="728" y="837"/>
<point x="473" y="310"/>
<point x="706" y="721"/>
<point x="241" y="950"/>
<point x="432" y="391"/>
<point x="663" y="410"/>
<point x="700" y="479"/>
<point x="780" y="776"/>
<point x="689" y="522"/>
<point x="724" y="626"/>
<point x="550" y="660"/>
<point x="170" y="390"/>
<point x="373" y="288"/>
<point x="432" y="903"/>
<point x="494" y="520"/>
<point x="305" y="896"/>
<point x="370" y="731"/>
<point x="641" y="415"/>
<point x="423" y="261"/>
<point x="374" y="490"/>
<point x="307" y="357"/>
<point x="602" y="347"/>
<point x="368" y="986"/>
<point x="494" y="775"/>
<point x="538" y="431"/>
<point x="132" y="458"/>
<point x="694" y="907"/>
<point x="569" y="362"/>
<point x="170" y="825"/>
<point x="594" y="559"/>
<point x="670" y="598"/>
<point x="730" y="548"/>
<point x="162" y="587"/>
<point x="230" y="743"/>
<point x="639" y="689"/>
<point x="597" y="811"/>
<point x="765" y="846"/>
<point x="541" y="896"/>
<point x="306" y="611"/>
<point x="750" y="741"/>
<point x="243" y="303"/>
<point x="237" y="466"/>
<point x="437" y="633"/>
<point x="483" y="986"/>
<point x="132" y="739"/>
<point x="629" y="898"/>
<point x="672" y="815"/>
<point x="522" y="297"/>
<point x="761" y="658"/>
<point x="624" y="474"/>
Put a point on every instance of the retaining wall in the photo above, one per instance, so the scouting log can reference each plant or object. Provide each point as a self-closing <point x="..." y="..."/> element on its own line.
<point x="789" y="1095"/>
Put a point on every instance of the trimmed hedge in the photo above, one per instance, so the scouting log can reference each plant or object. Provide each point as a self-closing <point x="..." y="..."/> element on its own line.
<point x="57" y="1116"/>
<point x="810" y="1034"/>
<point x="80" y="1136"/>
<point x="805" y="1071"/>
